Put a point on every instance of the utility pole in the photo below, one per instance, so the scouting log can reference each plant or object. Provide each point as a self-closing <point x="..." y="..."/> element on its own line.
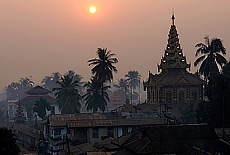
<point x="67" y="139"/>
<point x="223" y="120"/>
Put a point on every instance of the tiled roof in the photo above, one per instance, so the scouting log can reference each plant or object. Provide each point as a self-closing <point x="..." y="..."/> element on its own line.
<point x="31" y="99"/>
<point x="172" y="76"/>
<point x="38" y="90"/>
<point x="29" y="131"/>
<point x="170" y="139"/>
<point x="84" y="120"/>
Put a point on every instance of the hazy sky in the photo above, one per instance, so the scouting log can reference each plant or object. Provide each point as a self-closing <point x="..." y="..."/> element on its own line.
<point x="38" y="37"/>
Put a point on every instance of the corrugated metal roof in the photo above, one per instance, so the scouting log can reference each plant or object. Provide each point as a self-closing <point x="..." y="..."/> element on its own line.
<point x="29" y="131"/>
<point x="84" y="120"/>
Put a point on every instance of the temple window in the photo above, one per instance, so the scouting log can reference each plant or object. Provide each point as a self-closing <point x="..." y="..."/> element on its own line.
<point x="181" y="97"/>
<point x="194" y="95"/>
<point x="149" y="95"/>
<point x="157" y="96"/>
<point x="168" y="97"/>
<point x="153" y="96"/>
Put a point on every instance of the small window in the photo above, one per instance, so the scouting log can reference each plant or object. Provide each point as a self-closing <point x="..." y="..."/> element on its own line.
<point x="52" y="110"/>
<point x="57" y="131"/>
<point x="95" y="132"/>
<point x="168" y="97"/>
<point x="194" y="95"/>
<point x="110" y="132"/>
<point x="181" y="97"/>
<point x="125" y="130"/>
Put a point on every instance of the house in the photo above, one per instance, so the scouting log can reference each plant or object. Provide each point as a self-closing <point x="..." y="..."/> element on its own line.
<point x="91" y="128"/>
<point x="172" y="139"/>
<point x="33" y="95"/>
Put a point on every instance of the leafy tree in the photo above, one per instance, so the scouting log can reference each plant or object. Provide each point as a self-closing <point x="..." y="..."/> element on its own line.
<point x="8" y="144"/>
<point x="133" y="79"/>
<point x="188" y="111"/>
<point x="216" y="110"/>
<point x="41" y="106"/>
<point x="29" y="111"/>
<point x="211" y="56"/>
<point x="67" y="95"/>
<point x="95" y="98"/>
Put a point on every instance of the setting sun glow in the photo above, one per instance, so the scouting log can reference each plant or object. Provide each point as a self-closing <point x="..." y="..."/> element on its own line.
<point x="92" y="9"/>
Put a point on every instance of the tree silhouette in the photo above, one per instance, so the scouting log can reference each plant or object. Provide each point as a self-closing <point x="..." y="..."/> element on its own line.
<point x="133" y="79"/>
<point x="103" y="66"/>
<point x="41" y="106"/>
<point x="67" y="95"/>
<point x="95" y="98"/>
<point x="49" y="82"/>
<point x="211" y="56"/>
<point x="8" y="144"/>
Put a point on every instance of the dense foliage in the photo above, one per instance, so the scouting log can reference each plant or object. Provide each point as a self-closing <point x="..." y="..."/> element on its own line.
<point x="217" y="109"/>
<point x="41" y="106"/>
<point x="16" y="90"/>
<point x="8" y="144"/>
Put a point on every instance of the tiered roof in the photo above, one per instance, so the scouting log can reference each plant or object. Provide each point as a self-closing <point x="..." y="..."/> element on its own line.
<point x="173" y="56"/>
<point x="173" y="66"/>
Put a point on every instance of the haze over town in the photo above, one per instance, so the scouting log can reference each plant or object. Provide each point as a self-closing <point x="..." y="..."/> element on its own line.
<point x="41" y="37"/>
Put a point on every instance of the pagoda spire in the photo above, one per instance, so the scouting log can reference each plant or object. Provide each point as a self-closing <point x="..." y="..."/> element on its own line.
<point x="173" y="57"/>
<point x="173" y="19"/>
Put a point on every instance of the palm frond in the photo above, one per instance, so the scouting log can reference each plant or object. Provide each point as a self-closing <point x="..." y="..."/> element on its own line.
<point x="220" y="60"/>
<point x="200" y="59"/>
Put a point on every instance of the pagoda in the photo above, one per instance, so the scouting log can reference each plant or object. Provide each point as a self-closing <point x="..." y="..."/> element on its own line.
<point x="19" y="116"/>
<point x="174" y="84"/>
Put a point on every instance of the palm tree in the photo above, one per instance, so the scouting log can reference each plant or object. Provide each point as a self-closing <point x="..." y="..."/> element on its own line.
<point x="133" y="79"/>
<point x="12" y="91"/>
<point x="123" y="85"/>
<point x="103" y="65"/>
<point x="95" y="98"/>
<point x="25" y="84"/>
<point x="211" y="56"/>
<point x="49" y="82"/>
<point x="67" y="95"/>
<point x="77" y="77"/>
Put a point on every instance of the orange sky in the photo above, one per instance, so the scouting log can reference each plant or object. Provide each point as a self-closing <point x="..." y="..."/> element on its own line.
<point x="44" y="36"/>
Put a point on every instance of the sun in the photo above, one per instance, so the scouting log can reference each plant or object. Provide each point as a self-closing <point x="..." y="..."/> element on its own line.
<point x="92" y="9"/>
